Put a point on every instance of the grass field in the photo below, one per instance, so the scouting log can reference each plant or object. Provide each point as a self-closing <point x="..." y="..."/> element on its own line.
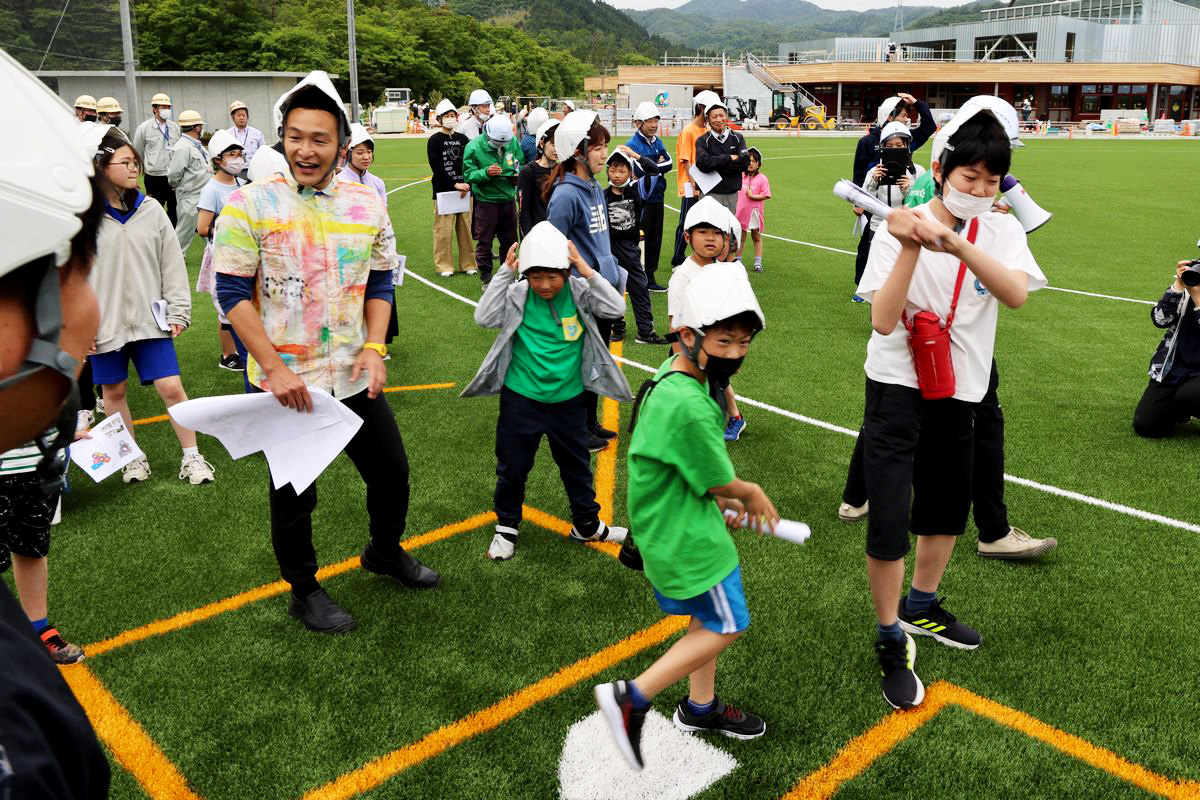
<point x="1086" y="685"/>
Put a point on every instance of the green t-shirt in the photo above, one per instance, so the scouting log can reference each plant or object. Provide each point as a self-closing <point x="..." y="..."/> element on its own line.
<point x="547" y="350"/>
<point x="921" y="191"/>
<point x="676" y="455"/>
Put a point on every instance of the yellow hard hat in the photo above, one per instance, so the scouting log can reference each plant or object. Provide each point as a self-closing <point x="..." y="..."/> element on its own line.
<point x="160" y="99"/>
<point x="86" y="101"/>
<point x="237" y="105"/>
<point x="109" y="105"/>
<point x="189" y="118"/>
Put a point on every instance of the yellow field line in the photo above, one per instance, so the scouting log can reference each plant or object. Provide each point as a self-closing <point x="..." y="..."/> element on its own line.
<point x="863" y="750"/>
<point x="130" y="745"/>
<point x="416" y="388"/>
<point x="375" y="772"/>
<point x="606" y="462"/>
<point x="561" y="526"/>
<point x="188" y="618"/>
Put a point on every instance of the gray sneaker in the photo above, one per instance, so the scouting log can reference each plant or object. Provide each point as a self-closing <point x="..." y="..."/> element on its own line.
<point x="1015" y="546"/>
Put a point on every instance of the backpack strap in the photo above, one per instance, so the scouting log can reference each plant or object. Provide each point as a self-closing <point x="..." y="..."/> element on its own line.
<point x="646" y="388"/>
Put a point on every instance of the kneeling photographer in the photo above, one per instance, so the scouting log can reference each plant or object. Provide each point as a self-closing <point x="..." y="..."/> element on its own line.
<point x="1173" y="394"/>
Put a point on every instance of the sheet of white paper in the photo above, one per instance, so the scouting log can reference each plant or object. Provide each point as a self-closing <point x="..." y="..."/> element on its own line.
<point x="109" y="448"/>
<point x="301" y="460"/>
<point x="247" y="423"/>
<point x="860" y="224"/>
<point x="687" y="189"/>
<point x="705" y="181"/>
<point x="453" y="203"/>
<point x="159" y="309"/>
<point x="398" y="270"/>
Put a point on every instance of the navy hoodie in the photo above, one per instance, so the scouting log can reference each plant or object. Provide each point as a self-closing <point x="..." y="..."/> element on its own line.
<point x="577" y="208"/>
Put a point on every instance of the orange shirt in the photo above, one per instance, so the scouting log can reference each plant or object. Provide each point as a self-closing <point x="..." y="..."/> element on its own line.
<point x="685" y="150"/>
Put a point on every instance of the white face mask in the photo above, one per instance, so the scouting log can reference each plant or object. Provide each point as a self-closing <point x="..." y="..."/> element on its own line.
<point x="449" y="121"/>
<point x="234" y="166"/>
<point x="965" y="206"/>
<point x="164" y="113"/>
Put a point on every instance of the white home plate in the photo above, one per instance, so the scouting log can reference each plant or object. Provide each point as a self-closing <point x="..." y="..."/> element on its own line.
<point x="678" y="764"/>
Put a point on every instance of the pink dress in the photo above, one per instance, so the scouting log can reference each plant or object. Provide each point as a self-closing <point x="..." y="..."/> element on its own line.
<point x="750" y="212"/>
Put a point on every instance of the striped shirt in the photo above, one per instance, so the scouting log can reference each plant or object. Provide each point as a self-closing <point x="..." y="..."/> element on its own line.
<point x="20" y="459"/>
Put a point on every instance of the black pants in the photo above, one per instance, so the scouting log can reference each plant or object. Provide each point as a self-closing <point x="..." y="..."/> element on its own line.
<point x="639" y="298"/>
<point x="1165" y="405"/>
<point x="519" y="432"/>
<point x="987" y="469"/>
<point x="491" y="221"/>
<point x="864" y="250"/>
<point x="605" y="326"/>
<point x="680" y="253"/>
<point x="652" y="230"/>
<point x="158" y="187"/>
<point x="377" y="451"/>
<point x="87" y="390"/>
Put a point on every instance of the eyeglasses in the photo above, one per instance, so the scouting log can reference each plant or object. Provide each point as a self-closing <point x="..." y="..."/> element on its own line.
<point x="132" y="166"/>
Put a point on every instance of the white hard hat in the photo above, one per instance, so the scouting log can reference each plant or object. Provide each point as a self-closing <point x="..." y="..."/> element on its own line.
<point x="707" y="211"/>
<point x="621" y="155"/>
<point x="86" y="101"/>
<point x="46" y="180"/>
<point x="719" y="291"/>
<point x="359" y="134"/>
<point x="1003" y="111"/>
<point x="221" y="141"/>
<point x="569" y="104"/>
<point x="706" y="97"/>
<point x="987" y="104"/>
<point x="544" y="247"/>
<point x="886" y="108"/>
<point x="479" y="97"/>
<point x="109" y="105"/>
<point x="91" y="134"/>
<point x="444" y="107"/>
<point x="499" y="129"/>
<point x="266" y="162"/>
<point x="895" y="129"/>
<point x="318" y="79"/>
<point x="716" y="104"/>
<point x="160" y="99"/>
<point x="189" y="118"/>
<point x="646" y="110"/>
<point x="545" y="129"/>
<point x="238" y="105"/>
<point x="536" y="119"/>
<point x="572" y="132"/>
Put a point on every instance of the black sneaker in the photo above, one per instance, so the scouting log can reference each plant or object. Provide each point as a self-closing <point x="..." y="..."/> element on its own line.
<point x="656" y="287"/>
<point x="650" y="338"/>
<point x="319" y="613"/>
<point x="901" y="686"/>
<point x="724" y="719"/>
<point x="598" y="430"/>
<point x="624" y="720"/>
<point x="939" y="623"/>
<point x="596" y="444"/>
<point x="403" y="567"/>
<point x="618" y="334"/>
<point x="232" y="362"/>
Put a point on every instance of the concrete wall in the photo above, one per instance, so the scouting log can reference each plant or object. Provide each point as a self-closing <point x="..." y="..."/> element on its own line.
<point x="740" y="83"/>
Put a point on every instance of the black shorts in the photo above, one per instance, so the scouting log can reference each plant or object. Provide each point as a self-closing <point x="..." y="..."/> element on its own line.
<point x="916" y="452"/>
<point x="25" y="515"/>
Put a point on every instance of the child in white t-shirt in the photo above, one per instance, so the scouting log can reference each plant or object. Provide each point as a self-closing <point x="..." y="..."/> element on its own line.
<point x="918" y="448"/>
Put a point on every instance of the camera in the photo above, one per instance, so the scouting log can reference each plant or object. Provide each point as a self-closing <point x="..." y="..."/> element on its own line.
<point x="1191" y="273"/>
<point x="896" y="160"/>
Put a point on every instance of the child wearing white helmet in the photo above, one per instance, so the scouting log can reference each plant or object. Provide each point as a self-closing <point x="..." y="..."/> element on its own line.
<point x="531" y="183"/>
<point x="153" y="140"/>
<point x="942" y="270"/>
<point x="548" y="355"/>
<point x="529" y="125"/>
<point x="249" y="137"/>
<point x="188" y="172"/>
<point x="651" y="185"/>
<point x="685" y="156"/>
<point x="890" y="181"/>
<point x="491" y="164"/>
<point x="229" y="163"/>
<point x="480" y="110"/>
<point x="624" y="230"/>
<point x="681" y="484"/>
<point x="445" y="154"/>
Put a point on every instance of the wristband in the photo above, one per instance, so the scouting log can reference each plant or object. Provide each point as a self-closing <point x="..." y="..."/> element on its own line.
<point x="377" y="347"/>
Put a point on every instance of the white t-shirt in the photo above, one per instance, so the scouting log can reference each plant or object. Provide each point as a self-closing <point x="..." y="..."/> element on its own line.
<point x="681" y="276"/>
<point x="973" y="334"/>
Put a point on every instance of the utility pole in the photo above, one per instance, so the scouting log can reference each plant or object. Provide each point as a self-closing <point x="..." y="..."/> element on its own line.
<point x="898" y="25"/>
<point x="353" y="58"/>
<point x="135" y="104"/>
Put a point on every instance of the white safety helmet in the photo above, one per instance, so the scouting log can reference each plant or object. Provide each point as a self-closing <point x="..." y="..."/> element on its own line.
<point x="91" y="134"/>
<point x="444" y="107"/>
<point x="267" y="161"/>
<point x="707" y="211"/>
<point x="499" y="129"/>
<point x="570" y="105"/>
<point x="705" y="98"/>
<point x="895" y="129"/>
<point x="544" y="247"/>
<point x="221" y="141"/>
<point x="622" y="156"/>
<point x="318" y="79"/>
<point x="358" y="135"/>
<point x="536" y="119"/>
<point x="717" y="292"/>
<point x="716" y="104"/>
<point x="886" y="108"/>
<point x="1000" y="109"/>
<point x="646" y="110"/>
<point x="45" y="183"/>
<point x="571" y="132"/>
<point x="546" y="129"/>
<point x="479" y="97"/>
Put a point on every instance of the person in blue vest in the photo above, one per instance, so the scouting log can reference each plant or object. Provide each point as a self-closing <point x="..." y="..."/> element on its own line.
<point x="651" y="186"/>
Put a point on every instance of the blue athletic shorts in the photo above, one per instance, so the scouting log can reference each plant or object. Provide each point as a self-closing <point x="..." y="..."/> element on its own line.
<point x="152" y="358"/>
<point x="722" y="609"/>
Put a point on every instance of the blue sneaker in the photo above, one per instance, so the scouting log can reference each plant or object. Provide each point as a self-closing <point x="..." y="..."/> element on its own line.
<point x="734" y="428"/>
<point x="857" y="299"/>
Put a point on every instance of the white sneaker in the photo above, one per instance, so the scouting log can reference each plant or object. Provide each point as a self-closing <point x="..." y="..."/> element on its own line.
<point x="504" y="544"/>
<point x="195" y="470"/>
<point x="445" y="274"/>
<point x="99" y="405"/>
<point x="472" y="272"/>
<point x="605" y="533"/>
<point x="1015" y="546"/>
<point x="849" y="513"/>
<point x="84" y="420"/>
<point x="136" y="471"/>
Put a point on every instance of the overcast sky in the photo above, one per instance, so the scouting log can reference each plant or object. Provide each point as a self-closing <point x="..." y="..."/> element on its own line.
<point x="840" y="5"/>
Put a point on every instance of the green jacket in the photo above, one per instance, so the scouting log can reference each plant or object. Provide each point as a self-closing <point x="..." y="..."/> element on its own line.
<point x="478" y="156"/>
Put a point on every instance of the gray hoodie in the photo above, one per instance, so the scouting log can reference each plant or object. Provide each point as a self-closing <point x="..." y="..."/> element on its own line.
<point x="503" y="306"/>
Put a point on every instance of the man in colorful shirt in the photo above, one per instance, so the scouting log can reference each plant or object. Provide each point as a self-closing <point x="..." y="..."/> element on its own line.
<point x="304" y="275"/>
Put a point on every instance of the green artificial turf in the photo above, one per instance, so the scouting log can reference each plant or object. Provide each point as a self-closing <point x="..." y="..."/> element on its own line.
<point x="1098" y="639"/>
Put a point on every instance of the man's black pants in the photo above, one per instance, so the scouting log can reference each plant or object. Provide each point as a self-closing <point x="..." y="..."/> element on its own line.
<point x="158" y="187"/>
<point x="377" y="451"/>
<point x="652" y="230"/>
<point x="1165" y="405"/>
<point x="519" y="432"/>
<point x="491" y="221"/>
<point x="680" y="253"/>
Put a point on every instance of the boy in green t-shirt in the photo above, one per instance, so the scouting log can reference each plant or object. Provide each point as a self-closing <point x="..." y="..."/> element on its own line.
<point x="681" y="483"/>
<point x="547" y="354"/>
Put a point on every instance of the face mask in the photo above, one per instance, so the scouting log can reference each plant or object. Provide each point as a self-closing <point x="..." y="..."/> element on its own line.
<point x="234" y="166"/>
<point x="965" y="206"/>
<point x="114" y="121"/>
<point x="449" y="122"/>
<point x="164" y="113"/>
<point x="721" y="369"/>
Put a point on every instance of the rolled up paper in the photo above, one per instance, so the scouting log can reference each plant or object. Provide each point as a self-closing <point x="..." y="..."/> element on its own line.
<point x="786" y="529"/>
<point x="857" y="196"/>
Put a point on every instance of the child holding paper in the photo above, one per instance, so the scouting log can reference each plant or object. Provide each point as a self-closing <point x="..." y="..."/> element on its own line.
<point x="445" y="153"/>
<point x="681" y="482"/>
<point x="548" y="355"/>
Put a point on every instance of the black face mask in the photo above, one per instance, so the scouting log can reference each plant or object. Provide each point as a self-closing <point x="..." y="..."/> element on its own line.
<point x="721" y="369"/>
<point x="114" y="121"/>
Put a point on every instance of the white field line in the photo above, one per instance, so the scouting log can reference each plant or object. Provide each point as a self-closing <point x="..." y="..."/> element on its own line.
<point x="851" y="253"/>
<point x="829" y="426"/>
<point x="414" y="183"/>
